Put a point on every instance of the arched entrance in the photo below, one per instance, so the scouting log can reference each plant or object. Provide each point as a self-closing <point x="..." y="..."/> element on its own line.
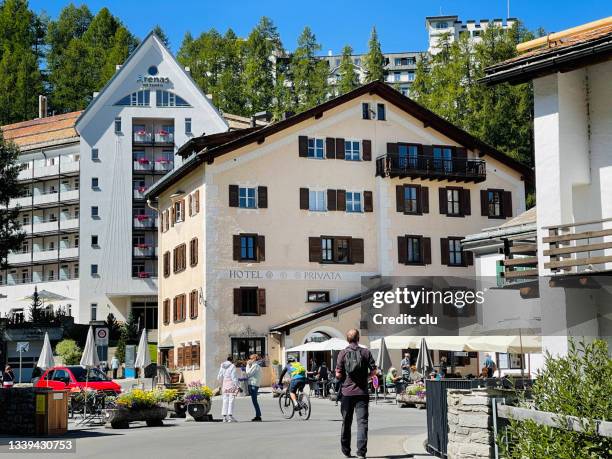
<point x="314" y="360"/>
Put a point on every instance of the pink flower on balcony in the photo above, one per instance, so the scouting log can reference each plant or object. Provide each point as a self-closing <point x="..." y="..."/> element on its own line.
<point x="143" y="275"/>
<point x="142" y="189"/>
<point x="162" y="161"/>
<point x="162" y="132"/>
<point x="142" y="217"/>
<point x="143" y="245"/>
<point x="143" y="161"/>
<point x="141" y="133"/>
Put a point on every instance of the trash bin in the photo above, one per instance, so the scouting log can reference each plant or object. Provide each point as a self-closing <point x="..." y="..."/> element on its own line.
<point x="51" y="412"/>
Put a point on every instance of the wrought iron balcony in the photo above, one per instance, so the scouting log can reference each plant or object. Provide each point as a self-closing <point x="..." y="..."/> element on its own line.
<point x="432" y="168"/>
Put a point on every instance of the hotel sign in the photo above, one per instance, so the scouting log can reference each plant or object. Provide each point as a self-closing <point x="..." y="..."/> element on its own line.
<point x="152" y="79"/>
<point x="255" y="274"/>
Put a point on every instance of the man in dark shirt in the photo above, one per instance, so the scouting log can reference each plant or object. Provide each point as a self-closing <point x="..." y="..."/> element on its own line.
<point x="355" y="398"/>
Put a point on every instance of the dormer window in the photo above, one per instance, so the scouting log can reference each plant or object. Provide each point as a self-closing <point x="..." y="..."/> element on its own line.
<point x="136" y="99"/>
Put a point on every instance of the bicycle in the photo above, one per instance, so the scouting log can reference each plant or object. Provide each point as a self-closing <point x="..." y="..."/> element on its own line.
<point x="286" y="405"/>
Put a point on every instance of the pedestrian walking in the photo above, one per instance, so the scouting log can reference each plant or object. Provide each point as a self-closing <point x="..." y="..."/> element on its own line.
<point x="8" y="377"/>
<point x="229" y="388"/>
<point x="489" y="365"/>
<point x="115" y="366"/>
<point x="355" y="364"/>
<point x="322" y="380"/>
<point x="253" y="372"/>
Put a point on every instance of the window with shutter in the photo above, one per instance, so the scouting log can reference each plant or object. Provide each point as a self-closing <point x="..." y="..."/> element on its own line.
<point x="455" y="254"/>
<point x="357" y="250"/>
<point x="303" y="146"/>
<point x="193" y="252"/>
<point x="233" y="195"/>
<point x="197" y="201"/>
<point x="180" y="362"/>
<point x="166" y="264"/>
<point x="341" y="200"/>
<point x="190" y="202"/>
<point x="453" y="201"/>
<point x="172" y="216"/>
<point x="193" y="304"/>
<point x="246" y="301"/>
<point x="304" y="198"/>
<point x="171" y="363"/>
<point x="368" y="204"/>
<point x="330" y="148"/>
<point x="195" y="355"/>
<point x="492" y="203"/>
<point x="444" y="251"/>
<point x="166" y="311"/>
<point x="332" y="200"/>
<point x="340" y="149"/>
<point x="180" y="258"/>
<point x="187" y="356"/>
<point x="261" y="301"/>
<point x="314" y="249"/>
<point x="261" y="248"/>
<point x="367" y="150"/>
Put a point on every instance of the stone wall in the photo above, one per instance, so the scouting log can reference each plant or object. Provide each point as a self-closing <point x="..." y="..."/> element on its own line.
<point x="18" y="411"/>
<point x="470" y="424"/>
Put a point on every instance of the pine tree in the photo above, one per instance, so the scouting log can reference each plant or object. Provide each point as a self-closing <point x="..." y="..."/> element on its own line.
<point x="36" y="307"/>
<point x="262" y="44"/>
<point x="309" y="73"/>
<point x="157" y="30"/>
<point x="229" y="93"/>
<point x="349" y="79"/>
<point x="11" y="236"/>
<point x="20" y="77"/>
<point x="374" y="60"/>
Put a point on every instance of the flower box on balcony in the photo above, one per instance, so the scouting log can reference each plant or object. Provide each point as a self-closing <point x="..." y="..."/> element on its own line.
<point x="144" y="275"/>
<point x="162" y="161"/>
<point x="142" y="217"/>
<point x="143" y="246"/>
<point x="141" y="189"/>
<point x="143" y="161"/>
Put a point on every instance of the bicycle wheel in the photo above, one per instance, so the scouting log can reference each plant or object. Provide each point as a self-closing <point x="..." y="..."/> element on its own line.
<point x="305" y="407"/>
<point x="286" y="406"/>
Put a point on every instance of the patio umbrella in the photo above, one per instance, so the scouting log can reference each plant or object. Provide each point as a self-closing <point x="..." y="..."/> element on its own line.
<point x="143" y="357"/>
<point x="46" y="295"/>
<point x="46" y="355"/>
<point x="383" y="359"/>
<point x="424" y="364"/>
<point x="89" y="359"/>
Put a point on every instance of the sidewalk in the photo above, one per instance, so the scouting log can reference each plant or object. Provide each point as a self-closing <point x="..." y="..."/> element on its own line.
<point x="414" y="445"/>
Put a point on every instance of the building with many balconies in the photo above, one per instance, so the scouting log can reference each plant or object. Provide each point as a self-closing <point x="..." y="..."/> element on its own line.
<point x="90" y="236"/>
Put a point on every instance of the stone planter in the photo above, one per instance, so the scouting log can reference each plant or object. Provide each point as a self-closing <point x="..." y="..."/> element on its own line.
<point x="199" y="411"/>
<point x="120" y="418"/>
<point x="405" y="399"/>
<point x="176" y="409"/>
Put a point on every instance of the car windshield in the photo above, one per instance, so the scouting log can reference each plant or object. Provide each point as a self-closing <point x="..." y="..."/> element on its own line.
<point x="94" y="374"/>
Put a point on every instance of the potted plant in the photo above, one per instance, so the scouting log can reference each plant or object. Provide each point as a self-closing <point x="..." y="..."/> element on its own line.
<point x="171" y="400"/>
<point x="197" y="398"/>
<point x="134" y="405"/>
<point x="414" y="395"/>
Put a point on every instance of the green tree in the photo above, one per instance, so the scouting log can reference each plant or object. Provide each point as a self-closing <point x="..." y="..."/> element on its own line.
<point x="308" y="73"/>
<point x="35" y="307"/>
<point x="229" y="93"/>
<point x="69" y="352"/>
<point x="578" y="384"/>
<point x="261" y="46"/>
<point x="374" y="60"/>
<point x="11" y="236"/>
<point x="447" y="83"/>
<point x="20" y="77"/>
<point x="283" y="100"/>
<point x="349" y="79"/>
<point x="157" y="30"/>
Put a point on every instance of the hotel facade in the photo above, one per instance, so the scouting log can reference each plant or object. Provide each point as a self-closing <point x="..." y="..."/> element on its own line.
<point x="91" y="240"/>
<point x="265" y="234"/>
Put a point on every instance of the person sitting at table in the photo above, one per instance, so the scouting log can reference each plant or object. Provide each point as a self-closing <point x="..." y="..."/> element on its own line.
<point x="484" y="373"/>
<point x="414" y="376"/>
<point x="394" y="380"/>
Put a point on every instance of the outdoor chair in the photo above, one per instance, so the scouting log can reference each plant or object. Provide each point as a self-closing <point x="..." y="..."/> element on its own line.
<point x="93" y="405"/>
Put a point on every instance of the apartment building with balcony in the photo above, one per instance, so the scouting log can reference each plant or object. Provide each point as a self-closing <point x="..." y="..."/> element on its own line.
<point x="85" y="175"/>
<point x="400" y="68"/>
<point x="566" y="247"/>
<point x="453" y="27"/>
<point x="265" y="234"/>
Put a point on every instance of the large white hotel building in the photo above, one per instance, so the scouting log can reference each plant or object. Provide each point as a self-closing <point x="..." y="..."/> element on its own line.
<point x="91" y="239"/>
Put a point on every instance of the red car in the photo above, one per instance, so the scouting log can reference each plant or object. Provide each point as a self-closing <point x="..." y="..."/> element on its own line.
<point x="75" y="378"/>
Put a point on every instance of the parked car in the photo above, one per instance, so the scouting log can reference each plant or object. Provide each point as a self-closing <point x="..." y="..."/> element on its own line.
<point x="76" y="377"/>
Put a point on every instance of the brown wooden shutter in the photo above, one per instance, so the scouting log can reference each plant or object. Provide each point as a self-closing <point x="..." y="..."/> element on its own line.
<point x="187" y="356"/>
<point x="304" y="198"/>
<point x="460" y="153"/>
<point x="303" y="146"/>
<point x="197" y="201"/>
<point x="466" y="202"/>
<point x="443" y="199"/>
<point x="233" y="195"/>
<point x="172" y="215"/>
<point x="484" y="203"/>
<point x="426" y="250"/>
<point x="507" y="204"/>
<point x="367" y="150"/>
<point x="261" y="301"/>
<point x="427" y="151"/>
<point x="195" y="357"/>
<point x="341" y="200"/>
<point x="339" y="148"/>
<point x="237" y="301"/>
<point x="175" y="308"/>
<point x="399" y="198"/>
<point x="392" y="148"/>
<point x="314" y="249"/>
<point x="402" y="250"/>
<point x="368" y="201"/>
<point x="357" y="255"/>
<point x="262" y="197"/>
<point x="331" y="200"/>
<point x="236" y="247"/>
<point x="261" y="248"/>
<point x="190" y="205"/>
<point x="330" y="148"/>
<point x="424" y="199"/>
<point x="182" y="204"/>
<point x="468" y="256"/>
<point x="179" y="356"/>
<point x="444" y="251"/>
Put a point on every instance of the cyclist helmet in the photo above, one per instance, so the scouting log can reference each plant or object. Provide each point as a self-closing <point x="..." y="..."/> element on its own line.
<point x="291" y="359"/>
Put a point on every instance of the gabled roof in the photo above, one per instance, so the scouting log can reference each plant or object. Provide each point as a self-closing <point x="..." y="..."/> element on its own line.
<point x="427" y="117"/>
<point x="562" y="51"/>
<point x="149" y="40"/>
<point x="39" y="132"/>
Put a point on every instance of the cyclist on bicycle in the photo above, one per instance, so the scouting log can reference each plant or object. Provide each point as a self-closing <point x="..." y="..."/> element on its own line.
<point x="297" y="372"/>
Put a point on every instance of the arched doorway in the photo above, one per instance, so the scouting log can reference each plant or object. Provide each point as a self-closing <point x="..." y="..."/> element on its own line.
<point x="314" y="360"/>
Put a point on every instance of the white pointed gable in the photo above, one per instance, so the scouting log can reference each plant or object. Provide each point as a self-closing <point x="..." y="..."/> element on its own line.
<point x="170" y="76"/>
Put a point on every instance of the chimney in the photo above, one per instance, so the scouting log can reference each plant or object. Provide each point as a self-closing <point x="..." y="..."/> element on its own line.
<point x="42" y="106"/>
<point x="188" y="69"/>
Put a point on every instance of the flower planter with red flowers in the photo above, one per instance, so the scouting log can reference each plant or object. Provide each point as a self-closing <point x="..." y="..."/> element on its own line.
<point x="142" y="136"/>
<point x="144" y="275"/>
<point x="163" y="136"/>
<point x="142" y="217"/>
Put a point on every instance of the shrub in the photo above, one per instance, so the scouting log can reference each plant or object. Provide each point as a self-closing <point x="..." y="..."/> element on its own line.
<point x="68" y="350"/>
<point x="577" y="384"/>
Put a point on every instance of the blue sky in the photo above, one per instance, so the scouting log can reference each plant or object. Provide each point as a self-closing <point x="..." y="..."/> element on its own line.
<point x="401" y="25"/>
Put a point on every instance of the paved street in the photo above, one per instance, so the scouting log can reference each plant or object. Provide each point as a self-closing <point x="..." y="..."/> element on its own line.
<point x="394" y="433"/>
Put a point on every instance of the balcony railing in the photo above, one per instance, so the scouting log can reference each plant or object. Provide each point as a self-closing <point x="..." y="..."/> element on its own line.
<point x="430" y="167"/>
<point x="144" y="250"/>
<point x="161" y="165"/>
<point x="38" y="277"/>
<point x="139" y="192"/>
<point x="143" y="164"/>
<point x="147" y="137"/>
<point x="60" y="168"/>
<point x="521" y="262"/>
<point x="144" y="221"/>
<point x="582" y="247"/>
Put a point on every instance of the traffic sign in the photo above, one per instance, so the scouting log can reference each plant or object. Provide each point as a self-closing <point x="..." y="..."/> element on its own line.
<point x="101" y="336"/>
<point x="23" y="346"/>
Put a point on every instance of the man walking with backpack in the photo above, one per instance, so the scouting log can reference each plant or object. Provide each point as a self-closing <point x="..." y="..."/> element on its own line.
<point x="355" y="364"/>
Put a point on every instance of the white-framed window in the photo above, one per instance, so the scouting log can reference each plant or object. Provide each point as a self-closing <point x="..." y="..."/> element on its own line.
<point x="178" y="211"/>
<point x="352" y="150"/>
<point x="353" y="201"/>
<point x="410" y="75"/>
<point x="94" y="311"/>
<point x="316" y="201"/>
<point x="397" y="76"/>
<point x="327" y="251"/>
<point x="246" y="198"/>
<point x="442" y="25"/>
<point x="454" y="252"/>
<point x="169" y="99"/>
<point x="315" y="148"/>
